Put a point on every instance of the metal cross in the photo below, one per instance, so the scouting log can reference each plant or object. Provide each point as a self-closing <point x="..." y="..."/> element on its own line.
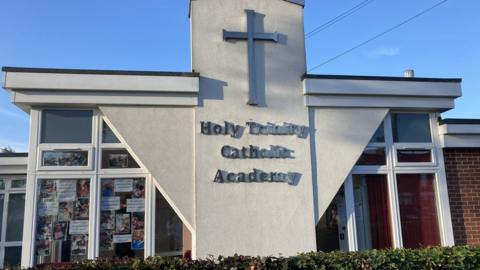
<point x="251" y="36"/>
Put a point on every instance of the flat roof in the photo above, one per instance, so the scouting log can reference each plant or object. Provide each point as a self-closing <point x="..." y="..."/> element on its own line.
<point x="380" y="78"/>
<point x="99" y="71"/>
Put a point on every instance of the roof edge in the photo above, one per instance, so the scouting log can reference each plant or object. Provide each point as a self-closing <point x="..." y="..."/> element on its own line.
<point x="459" y="121"/>
<point x="99" y="71"/>
<point x="297" y="2"/>
<point x="13" y="155"/>
<point x="380" y="78"/>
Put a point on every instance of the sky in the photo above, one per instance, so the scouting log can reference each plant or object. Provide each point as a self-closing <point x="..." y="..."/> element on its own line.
<point x="154" y="35"/>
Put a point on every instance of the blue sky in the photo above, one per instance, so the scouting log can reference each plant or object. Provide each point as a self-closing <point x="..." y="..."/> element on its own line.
<point x="154" y="35"/>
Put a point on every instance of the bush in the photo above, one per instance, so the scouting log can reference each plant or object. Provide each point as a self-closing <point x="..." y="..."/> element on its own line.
<point x="394" y="259"/>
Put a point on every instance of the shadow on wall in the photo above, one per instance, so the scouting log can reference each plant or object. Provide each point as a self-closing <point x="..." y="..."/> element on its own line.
<point x="210" y="89"/>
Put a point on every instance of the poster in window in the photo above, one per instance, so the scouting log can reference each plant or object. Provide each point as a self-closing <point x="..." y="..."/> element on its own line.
<point x="107" y="188"/>
<point x="118" y="160"/>
<point x="79" y="245"/>
<point x="48" y="191"/>
<point x="122" y="238"/>
<point x="135" y="205"/>
<point x="83" y="188"/>
<point x="106" y="240"/>
<point x="59" y="230"/>
<point x="44" y="228"/>
<point x="107" y="220"/>
<point x="65" y="211"/>
<point x="122" y="223"/>
<point x="124" y="185"/>
<point x="138" y="221"/>
<point x="66" y="190"/>
<point x="43" y="247"/>
<point x="139" y="188"/>
<point x="47" y="209"/>
<point x="81" y="209"/>
<point x="110" y="203"/>
<point x="137" y="240"/>
<point x="79" y="227"/>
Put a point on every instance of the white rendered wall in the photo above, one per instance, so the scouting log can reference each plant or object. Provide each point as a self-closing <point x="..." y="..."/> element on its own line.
<point x="161" y="137"/>
<point x="250" y="218"/>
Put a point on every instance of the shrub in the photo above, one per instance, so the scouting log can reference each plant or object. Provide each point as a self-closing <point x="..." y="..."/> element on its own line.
<point x="395" y="259"/>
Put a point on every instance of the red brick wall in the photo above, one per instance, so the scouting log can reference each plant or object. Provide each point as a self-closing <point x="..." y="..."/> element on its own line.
<point x="463" y="177"/>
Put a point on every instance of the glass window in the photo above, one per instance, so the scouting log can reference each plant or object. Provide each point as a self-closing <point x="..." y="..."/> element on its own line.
<point x="411" y="128"/>
<point x="2" y="184"/>
<point x="12" y="256"/>
<point x="122" y="218"/>
<point x="2" y="200"/>
<point x="64" y="158"/>
<point x="117" y="159"/>
<point x="66" y="126"/>
<point x="107" y="134"/>
<point x="414" y="155"/>
<point x="331" y="230"/>
<point x="169" y="229"/>
<point x="372" y="212"/>
<point x="379" y="136"/>
<point x="373" y="156"/>
<point x="418" y="213"/>
<point x="62" y="220"/>
<point x="16" y="207"/>
<point x="19" y="183"/>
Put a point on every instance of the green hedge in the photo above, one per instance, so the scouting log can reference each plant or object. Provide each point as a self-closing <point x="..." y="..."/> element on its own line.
<point x="404" y="259"/>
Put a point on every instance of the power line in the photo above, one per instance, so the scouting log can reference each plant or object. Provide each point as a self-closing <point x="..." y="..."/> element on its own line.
<point x="338" y="18"/>
<point x="379" y="35"/>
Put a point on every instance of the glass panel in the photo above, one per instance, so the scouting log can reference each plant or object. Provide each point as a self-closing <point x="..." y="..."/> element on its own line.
<point x="332" y="228"/>
<point x="62" y="220"/>
<point x="2" y="184"/>
<point x="117" y="159"/>
<point x="2" y="199"/>
<point x="16" y="207"/>
<point x="66" y="126"/>
<point x="65" y="158"/>
<point x="379" y="136"/>
<point x="19" y="183"/>
<point x="12" y="256"/>
<point x="373" y="156"/>
<point x="418" y="213"/>
<point x="414" y="155"/>
<point x="372" y="212"/>
<point x="107" y="135"/>
<point x="168" y="228"/>
<point x="122" y="218"/>
<point x="411" y="128"/>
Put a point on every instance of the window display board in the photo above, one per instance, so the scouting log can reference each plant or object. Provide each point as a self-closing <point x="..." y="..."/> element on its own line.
<point x="62" y="220"/>
<point x="122" y="217"/>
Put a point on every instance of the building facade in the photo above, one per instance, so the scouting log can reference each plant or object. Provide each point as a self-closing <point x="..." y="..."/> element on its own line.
<point x="246" y="154"/>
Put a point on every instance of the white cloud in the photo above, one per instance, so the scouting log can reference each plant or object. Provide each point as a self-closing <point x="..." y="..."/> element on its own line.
<point x="386" y="51"/>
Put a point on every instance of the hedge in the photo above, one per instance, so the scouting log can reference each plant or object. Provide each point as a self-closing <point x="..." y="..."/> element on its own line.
<point x="398" y="259"/>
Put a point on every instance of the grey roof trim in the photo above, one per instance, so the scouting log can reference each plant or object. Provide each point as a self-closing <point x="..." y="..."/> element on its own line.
<point x="13" y="154"/>
<point x="459" y="121"/>
<point x="98" y="71"/>
<point x="380" y="78"/>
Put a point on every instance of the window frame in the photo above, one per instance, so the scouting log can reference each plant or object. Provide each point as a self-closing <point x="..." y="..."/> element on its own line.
<point x="393" y="168"/>
<point x="6" y="198"/>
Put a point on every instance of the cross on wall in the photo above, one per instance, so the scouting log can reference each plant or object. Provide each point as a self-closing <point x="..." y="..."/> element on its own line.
<point x="251" y="36"/>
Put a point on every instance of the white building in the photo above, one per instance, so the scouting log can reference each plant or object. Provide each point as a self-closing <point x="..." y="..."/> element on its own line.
<point x="246" y="154"/>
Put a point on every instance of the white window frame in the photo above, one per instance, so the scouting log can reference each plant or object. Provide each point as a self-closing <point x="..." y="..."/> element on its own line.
<point x="6" y="192"/>
<point x="41" y="147"/>
<point x="148" y="239"/>
<point x="436" y="168"/>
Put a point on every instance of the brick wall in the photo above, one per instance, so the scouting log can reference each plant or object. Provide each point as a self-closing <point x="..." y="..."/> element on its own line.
<point x="463" y="177"/>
